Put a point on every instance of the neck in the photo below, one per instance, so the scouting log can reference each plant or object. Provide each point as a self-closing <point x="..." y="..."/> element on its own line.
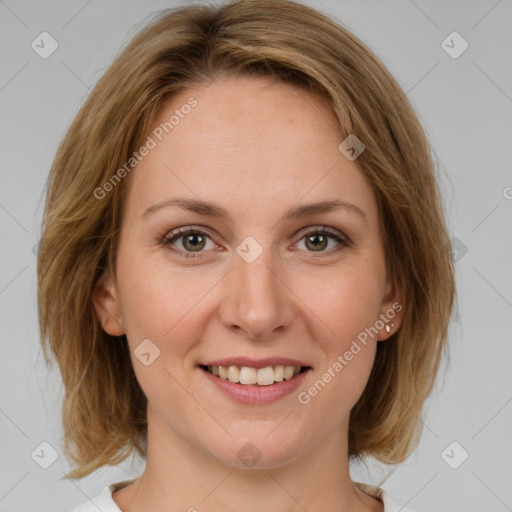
<point x="181" y="476"/>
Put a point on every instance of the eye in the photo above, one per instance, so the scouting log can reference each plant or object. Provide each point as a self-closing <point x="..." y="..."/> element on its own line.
<point x="317" y="240"/>
<point x="194" y="240"/>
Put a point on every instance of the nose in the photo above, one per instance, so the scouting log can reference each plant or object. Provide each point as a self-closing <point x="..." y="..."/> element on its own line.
<point x="257" y="299"/>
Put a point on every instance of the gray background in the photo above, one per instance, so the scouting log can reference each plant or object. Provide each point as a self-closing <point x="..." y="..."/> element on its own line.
<point x="465" y="105"/>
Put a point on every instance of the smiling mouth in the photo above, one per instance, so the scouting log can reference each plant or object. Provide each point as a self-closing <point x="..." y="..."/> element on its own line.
<point x="248" y="376"/>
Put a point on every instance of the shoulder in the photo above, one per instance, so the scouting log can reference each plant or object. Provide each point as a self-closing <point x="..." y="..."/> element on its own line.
<point x="390" y="505"/>
<point x="104" y="501"/>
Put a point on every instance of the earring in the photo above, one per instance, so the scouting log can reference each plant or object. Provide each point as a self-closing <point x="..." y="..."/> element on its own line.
<point x="388" y="328"/>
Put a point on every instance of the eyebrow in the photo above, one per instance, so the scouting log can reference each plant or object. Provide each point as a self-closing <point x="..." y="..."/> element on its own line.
<point x="210" y="209"/>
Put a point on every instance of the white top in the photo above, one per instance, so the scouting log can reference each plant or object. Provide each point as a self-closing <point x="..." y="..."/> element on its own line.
<point x="105" y="502"/>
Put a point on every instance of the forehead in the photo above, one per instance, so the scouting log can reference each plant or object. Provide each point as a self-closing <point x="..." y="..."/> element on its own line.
<point x="246" y="141"/>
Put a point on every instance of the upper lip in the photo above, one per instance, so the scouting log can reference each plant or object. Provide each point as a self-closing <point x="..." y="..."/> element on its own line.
<point x="255" y="363"/>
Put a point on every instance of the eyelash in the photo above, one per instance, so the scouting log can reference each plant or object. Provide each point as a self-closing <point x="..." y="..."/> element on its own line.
<point x="181" y="232"/>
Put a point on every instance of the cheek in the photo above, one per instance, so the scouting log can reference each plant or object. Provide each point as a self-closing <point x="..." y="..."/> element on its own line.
<point x="343" y="309"/>
<point x="158" y="300"/>
<point x="344" y="303"/>
<point x="161" y="305"/>
<point x="348" y="350"/>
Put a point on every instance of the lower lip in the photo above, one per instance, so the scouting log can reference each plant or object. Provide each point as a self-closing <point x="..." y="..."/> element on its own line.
<point x="254" y="394"/>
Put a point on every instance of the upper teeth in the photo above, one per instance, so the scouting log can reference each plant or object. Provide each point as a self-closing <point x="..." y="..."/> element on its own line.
<point x="261" y="376"/>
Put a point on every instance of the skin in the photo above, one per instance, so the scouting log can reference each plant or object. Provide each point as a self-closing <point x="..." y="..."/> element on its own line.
<point x="256" y="148"/>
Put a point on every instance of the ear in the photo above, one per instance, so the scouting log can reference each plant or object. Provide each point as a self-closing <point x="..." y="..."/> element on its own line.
<point x="106" y="304"/>
<point x="392" y="310"/>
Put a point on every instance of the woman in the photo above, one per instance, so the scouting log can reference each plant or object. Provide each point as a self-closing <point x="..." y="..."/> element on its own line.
<point x="243" y="272"/>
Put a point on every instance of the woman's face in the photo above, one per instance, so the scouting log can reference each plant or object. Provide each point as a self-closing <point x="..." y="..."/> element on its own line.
<point x="255" y="282"/>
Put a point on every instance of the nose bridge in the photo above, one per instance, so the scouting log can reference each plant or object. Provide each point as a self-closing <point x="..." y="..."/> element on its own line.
<point x="257" y="278"/>
<point x="258" y="299"/>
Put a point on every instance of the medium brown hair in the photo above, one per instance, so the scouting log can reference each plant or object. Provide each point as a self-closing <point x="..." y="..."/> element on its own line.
<point x="104" y="409"/>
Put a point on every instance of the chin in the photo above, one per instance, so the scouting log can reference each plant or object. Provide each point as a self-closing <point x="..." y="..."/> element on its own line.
<point x="259" y="452"/>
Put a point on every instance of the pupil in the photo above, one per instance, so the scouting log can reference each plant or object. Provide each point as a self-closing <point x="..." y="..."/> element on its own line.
<point x="320" y="241"/>
<point x="194" y="244"/>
